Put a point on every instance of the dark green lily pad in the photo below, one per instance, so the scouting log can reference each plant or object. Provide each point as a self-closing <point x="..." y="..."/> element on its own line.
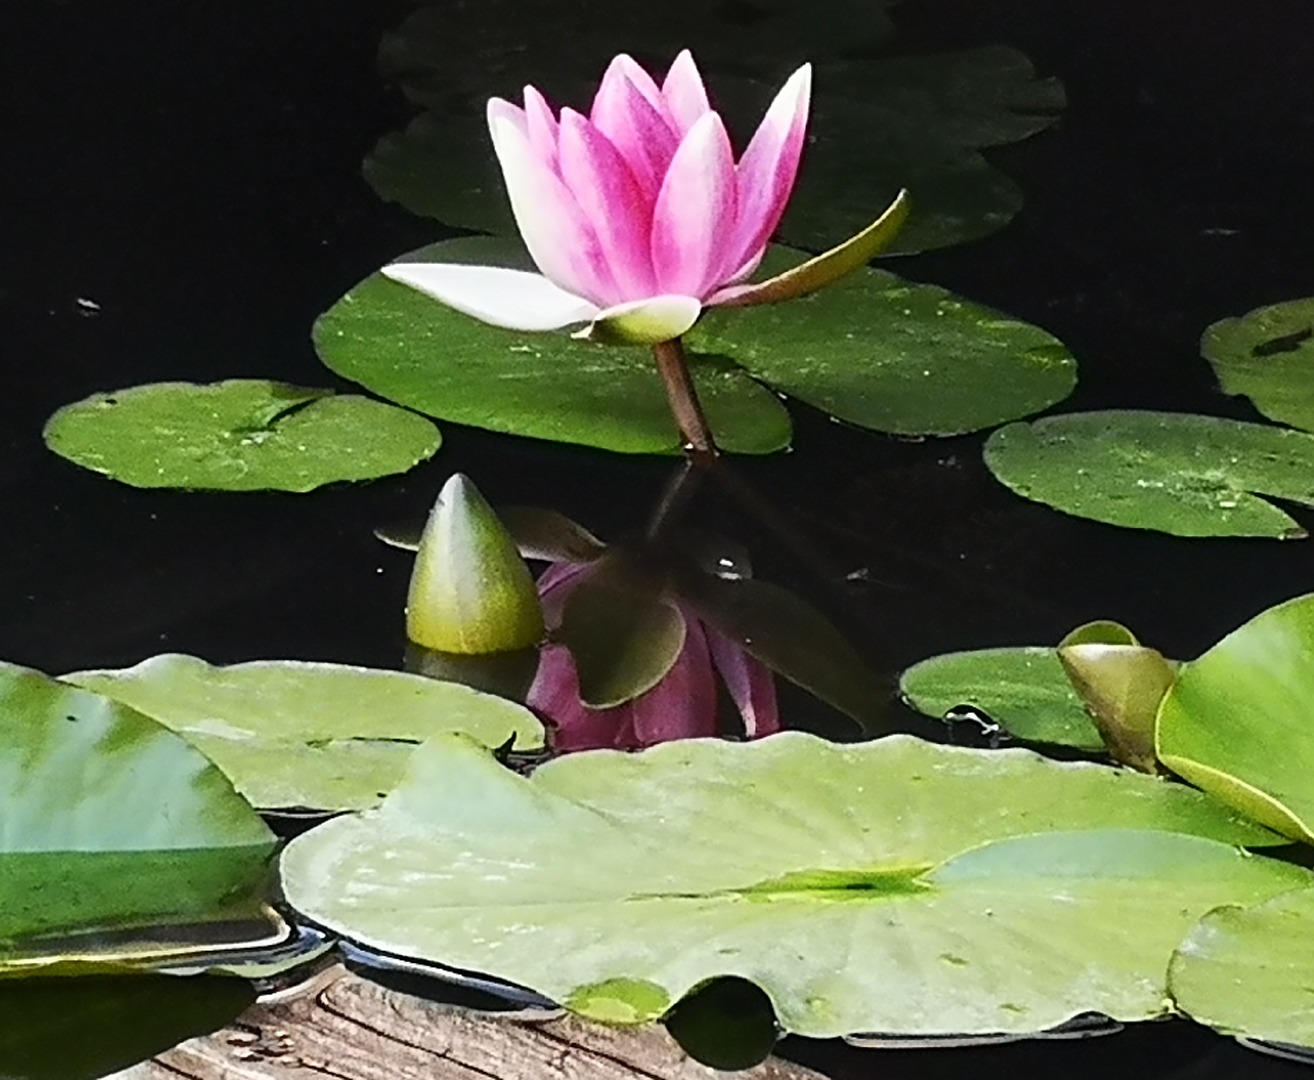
<point x="1267" y="355"/>
<point x="111" y="824"/>
<point x="238" y="435"/>
<point x="83" y="1028"/>
<point x="1249" y="970"/>
<point x="415" y="351"/>
<point x="1024" y="689"/>
<point x="295" y="734"/>
<point x="756" y="37"/>
<point x="1173" y="472"/>
<point x="885" y="353"/>
<point x="890" y="886"/>
<point x="1237" y="720"/>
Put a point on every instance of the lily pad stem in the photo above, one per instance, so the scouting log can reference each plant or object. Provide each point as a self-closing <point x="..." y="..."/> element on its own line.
<point x="680" y="392"/>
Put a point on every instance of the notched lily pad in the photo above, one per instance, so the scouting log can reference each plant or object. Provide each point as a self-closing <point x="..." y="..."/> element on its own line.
<point x="1249" y="970"/>
<point x="1267" y="355"/>
<point x="891" y="886"/>
<point x="296" y="734"/>
<point x="415" y="351"/>
<point x="238" y="435"/>
<point x="1237" y="720"/>
<point x="1024" y="689"/>
<point x="885" y="353"/>
<point x="1172" y="472"/>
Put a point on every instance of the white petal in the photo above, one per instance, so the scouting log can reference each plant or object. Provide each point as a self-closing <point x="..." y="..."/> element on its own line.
<point x="644" y="322"/>
<point x="515" y="299"/>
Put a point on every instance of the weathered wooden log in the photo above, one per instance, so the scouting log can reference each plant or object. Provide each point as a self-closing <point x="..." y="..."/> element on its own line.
<point x="353" y="1029"/>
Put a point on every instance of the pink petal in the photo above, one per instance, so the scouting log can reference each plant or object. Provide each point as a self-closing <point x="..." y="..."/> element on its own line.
<point x="554" y="228"/>
<point x="750" y="682"/>
<point x="684" y="92"/>
<point x="607" y="192"/>
<point x="555" y="694"/>
<point x="695" y="211"/>
<point x="683" y="704"/>
<point x="554" y="585"/>
<point x="516" y="299"/>
<point x="644" y="322"/>
<point x="541" y="127"/>
<point x="638" y="124"/>
<point x="769" y="166"/>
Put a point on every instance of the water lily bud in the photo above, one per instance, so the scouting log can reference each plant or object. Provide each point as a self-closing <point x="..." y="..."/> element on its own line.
<point x="471" y="592"/>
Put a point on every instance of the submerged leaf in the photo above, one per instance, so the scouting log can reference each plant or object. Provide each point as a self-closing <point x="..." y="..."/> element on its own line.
<point x="1024" y="689"/>
<point x="890" y="886"/>
<point x="1236" y="722"/>
<point x="238" y="435"/>
<point x="1268" y="356"/>
<point x="1173" y="472"/>
<point x="291" y="733"/>
<point x="1250" y="970"/>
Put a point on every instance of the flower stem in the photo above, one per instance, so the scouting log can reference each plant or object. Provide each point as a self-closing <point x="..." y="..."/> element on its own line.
<point x="680" y="392"/>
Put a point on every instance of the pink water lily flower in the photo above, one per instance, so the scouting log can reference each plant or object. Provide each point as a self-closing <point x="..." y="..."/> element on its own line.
<point x="683" y="705"/>
<point x="637" y="215"/>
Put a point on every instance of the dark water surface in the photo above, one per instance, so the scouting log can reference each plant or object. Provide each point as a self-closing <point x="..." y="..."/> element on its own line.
<point x="193" y="170"/>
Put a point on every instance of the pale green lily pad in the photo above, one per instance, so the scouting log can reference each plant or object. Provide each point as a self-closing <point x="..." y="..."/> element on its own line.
<point x="1250" y="970"/>
<point x="413" y="350"/>
<point x="1237" y="720"/>
<point x="886" y="353"/>
<point x="1267" y="355"/>
<point x="1172" y="472"/>
<point x="891" y="886"/>
<point x="1024" y="689"/>
<point x="296" y="734"/>
<point x="111" y="823"/>
<point x="238" y="435"/>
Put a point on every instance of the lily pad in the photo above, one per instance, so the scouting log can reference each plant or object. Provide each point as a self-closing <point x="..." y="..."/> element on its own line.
<point x="892" y="886"/>
<point x="1171" y="472"/>
<point x="1024" y="689"/>
<point x="295" y="734"/>
<point x="238" y="435"/>
<point x="1267" y="355"/>
<point x="1250" y="970"/>
<point x="918" y="122"/>
<point x="1237" y="720"/>
<point x="886" y="353"/>
<point x="111" y="823"/>
<point x="411" y="349"/>
<point x="92" y="1026"/>
<point x="760" y="37"/>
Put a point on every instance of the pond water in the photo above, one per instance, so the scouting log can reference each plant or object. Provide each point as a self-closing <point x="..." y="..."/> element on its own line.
<point x="184" y="197"/>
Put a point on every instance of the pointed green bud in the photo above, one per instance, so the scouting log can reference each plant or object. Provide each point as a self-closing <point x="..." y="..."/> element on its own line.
<point x="471" y="592"/>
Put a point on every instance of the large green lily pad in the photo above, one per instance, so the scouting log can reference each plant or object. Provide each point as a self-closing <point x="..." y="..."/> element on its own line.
<point x="891" y="886"/>
<point x="886" y="353"/>
<point x="110" y="822"/>
<point x="1024" y="689"/>
<point x="407" y="347"/>
<point x="1172" y="472"/>
<point x="1268" y="356"/>
<point x="1250" y="970"/>
<point x="238" y="435"/>
<point x="295" y="734"/>
<point x="1237" y="720"/>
